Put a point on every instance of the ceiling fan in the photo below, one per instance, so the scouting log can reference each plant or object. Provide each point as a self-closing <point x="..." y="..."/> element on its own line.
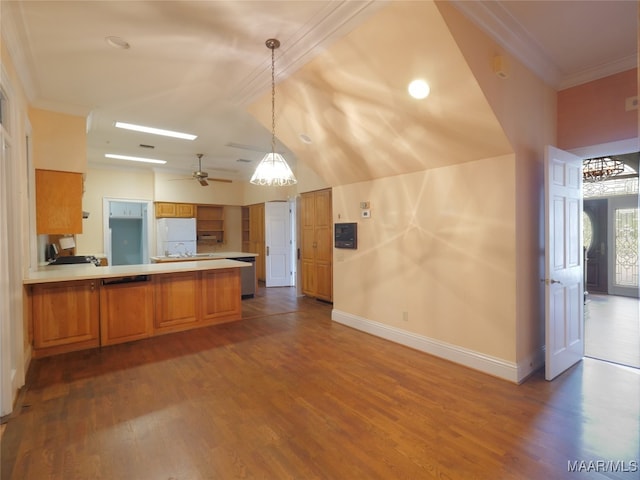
<point x="202" y="176"/>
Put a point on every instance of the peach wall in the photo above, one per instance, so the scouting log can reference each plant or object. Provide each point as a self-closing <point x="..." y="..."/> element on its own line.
<point x="526" y="109"/>
<point x="59" y="141"/>
<point x="594" y="113"/>
<point x="440" y="245"/>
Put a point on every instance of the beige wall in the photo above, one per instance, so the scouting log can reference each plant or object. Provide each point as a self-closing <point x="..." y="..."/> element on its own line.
<point x="59" y="141"/>
<point x="440" y="245"/>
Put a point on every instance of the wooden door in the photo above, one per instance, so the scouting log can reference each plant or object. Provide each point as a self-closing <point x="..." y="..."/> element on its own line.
<point x="317" y="246"/>
<point x="596" y="277"/>
<point x="256" y="238"/>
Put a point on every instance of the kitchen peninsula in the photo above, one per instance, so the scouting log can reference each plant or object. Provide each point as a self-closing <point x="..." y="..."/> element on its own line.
<point x="77" y="307"/>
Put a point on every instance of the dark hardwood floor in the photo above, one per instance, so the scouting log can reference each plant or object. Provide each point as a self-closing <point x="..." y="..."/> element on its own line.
<point x="289" y="394"/>
<point x="612" y="329"/>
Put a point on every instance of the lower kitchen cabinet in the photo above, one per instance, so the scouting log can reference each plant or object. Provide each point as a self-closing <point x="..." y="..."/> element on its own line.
<point x="221" y="295"/>
<point x="126" y="310"/>
<point x="66" y="317"/>
<point x="177" y="301"/>
<point x="83" y="314"/>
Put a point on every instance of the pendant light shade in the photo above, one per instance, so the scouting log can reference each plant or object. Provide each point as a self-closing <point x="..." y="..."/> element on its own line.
<point x="273" y="169"/>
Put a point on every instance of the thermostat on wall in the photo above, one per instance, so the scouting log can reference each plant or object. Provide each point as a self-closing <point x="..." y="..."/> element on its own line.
<point x="366" y="213"/>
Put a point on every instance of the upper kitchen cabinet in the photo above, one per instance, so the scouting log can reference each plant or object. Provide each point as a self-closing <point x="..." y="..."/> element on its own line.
<point x="178" y="210"/>
<point x="58" y="202"/>
<point x="58" y="141"/>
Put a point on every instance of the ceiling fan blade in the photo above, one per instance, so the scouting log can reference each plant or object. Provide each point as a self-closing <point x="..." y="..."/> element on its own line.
<point x="223" y="180"/>
<point x="203" y="182"/>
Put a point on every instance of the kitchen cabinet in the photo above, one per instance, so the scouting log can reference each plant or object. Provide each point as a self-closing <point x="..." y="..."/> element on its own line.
<point x="126" y="309"/>
<point x="65" y="316"/>
<point x="177" y="298"/>
<point x="58" y="202"/>
<point x="175" y="210"/>
<point x="257" y="238"/>
<point x="125" y="209"/>
<point x="317" y="246"/>
<point x="220" y="294"/>
<point x="210" y="224"/>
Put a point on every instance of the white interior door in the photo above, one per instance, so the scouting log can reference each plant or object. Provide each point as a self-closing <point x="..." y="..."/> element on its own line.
<point x="278" y="244"/>
<point x="564" y="282"/>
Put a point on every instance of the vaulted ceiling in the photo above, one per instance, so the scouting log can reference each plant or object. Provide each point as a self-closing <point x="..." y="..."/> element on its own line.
<point x="199" y="66"/>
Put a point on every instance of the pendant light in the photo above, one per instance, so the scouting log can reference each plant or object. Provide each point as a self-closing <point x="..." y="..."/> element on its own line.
<point x="273" y="169"/>
<point x="600" y="169"/>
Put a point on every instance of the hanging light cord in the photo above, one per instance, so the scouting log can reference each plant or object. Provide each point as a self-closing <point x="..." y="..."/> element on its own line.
<point x="273" y="43"/>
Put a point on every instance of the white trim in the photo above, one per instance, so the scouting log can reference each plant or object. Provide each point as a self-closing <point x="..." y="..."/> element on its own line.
<point x="619" y="147"/>
<point x="496" y="367"/>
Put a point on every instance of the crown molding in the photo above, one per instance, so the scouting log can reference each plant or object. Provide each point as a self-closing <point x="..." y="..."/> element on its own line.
<point x="497" y="22"/>
<point x="330" y="22"/>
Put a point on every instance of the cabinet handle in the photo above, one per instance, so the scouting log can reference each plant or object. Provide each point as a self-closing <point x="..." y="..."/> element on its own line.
<point x="267" y="250"/>
<point x="93" y="286"/>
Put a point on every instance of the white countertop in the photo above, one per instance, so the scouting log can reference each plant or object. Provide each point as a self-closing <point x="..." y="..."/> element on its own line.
<point x="64" y="273"/>
<point x="203" y="256"/>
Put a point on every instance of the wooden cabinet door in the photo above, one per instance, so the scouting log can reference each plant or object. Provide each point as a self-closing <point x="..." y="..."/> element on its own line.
<point x="65" y="317"/>
<point x="58" y="202"/>
<point x="126" y="312"/>
<point x="165" y="210"/>
<point x="185" y="210"/>
<point x="221" y="295"/>
<point x="316" y="231"/>
<point x="177" y="299"/>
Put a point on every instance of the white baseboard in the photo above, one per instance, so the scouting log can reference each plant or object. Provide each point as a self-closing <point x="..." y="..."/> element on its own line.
<point x="496" y="367"/>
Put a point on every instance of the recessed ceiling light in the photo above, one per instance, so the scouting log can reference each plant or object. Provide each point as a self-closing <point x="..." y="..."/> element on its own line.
<point x="134" y="159"/>
<point x="419" y="89"/>
<point x="155" y="131"/>
<point x="117" y="42"/>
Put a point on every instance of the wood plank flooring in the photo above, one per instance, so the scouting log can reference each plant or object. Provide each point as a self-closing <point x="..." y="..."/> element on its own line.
<point x="292" y="395"/>
<point x="612" y="329"/>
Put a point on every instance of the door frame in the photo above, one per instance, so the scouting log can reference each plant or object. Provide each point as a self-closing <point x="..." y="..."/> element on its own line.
<point x="148" y="231"/>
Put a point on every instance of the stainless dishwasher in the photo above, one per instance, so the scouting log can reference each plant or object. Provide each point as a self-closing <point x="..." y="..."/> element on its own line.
<point x="248" y="276"/>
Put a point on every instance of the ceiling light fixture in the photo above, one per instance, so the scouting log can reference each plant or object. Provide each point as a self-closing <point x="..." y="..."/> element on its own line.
<point x="134" y="159"/>
<point x="273" y="169"/>
<point x="155" y="131"/>
<point x="599" y="169"/>
<point x="419" y="89"/>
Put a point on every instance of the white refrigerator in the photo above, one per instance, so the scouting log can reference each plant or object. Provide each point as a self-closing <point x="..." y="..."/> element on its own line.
<point x="176" y="236"/>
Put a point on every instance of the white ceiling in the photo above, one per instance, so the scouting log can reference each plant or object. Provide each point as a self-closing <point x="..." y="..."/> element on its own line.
<point x="195" y="66"/>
